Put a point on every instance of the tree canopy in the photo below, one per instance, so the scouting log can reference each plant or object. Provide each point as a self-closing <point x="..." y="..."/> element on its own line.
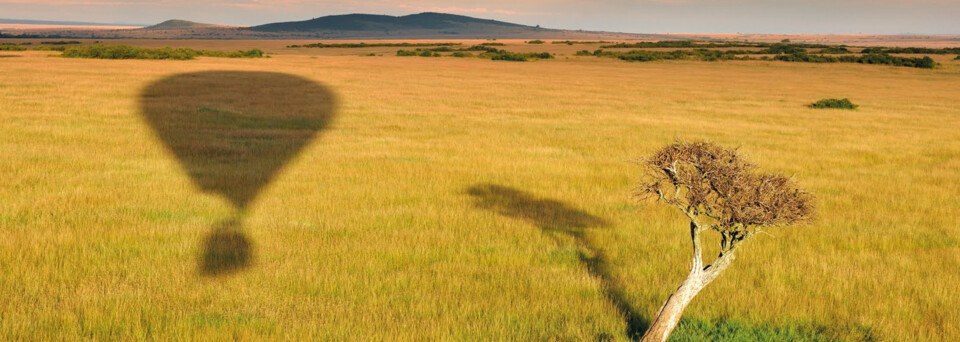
<point x="719" y="189"/>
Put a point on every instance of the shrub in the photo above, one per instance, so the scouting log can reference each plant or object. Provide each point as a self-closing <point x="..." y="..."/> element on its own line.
<point x="129" y="52"/>
<point x="834" y="103"/>
<point x="406" y="53"/>
<point x="957" y="59"/>
<point x="681" y="44"/>
<point x="252" y="53"/>
<point x="507" y="56"/>
<point x="503" y="55"/>
<point x="835" y="50"/>
<point x="480" y="48"/>
<point x="571" y="42"/>
<point x="926" y="62"/>
<point x="49" y="48"/>
<point x="461" y="54"/>
<point x="61" y="42"/>
<point x="776" y="49"/>
<point x="912" y="50"/>
<point x="11" y="47"/>
<point x="536" y="41"/>
<point x="874" y="58"/>
<point x="648" y="56"/>
<point x="365" y="45"/>
<point x="492" y="44"/>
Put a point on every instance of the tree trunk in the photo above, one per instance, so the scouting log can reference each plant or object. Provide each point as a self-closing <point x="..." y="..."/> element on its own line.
<point x="672" y="309"/>
<point x="669" y="314"/>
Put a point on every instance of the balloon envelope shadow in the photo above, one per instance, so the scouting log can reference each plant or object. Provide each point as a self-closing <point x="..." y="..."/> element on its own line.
<point x="232" y="131"/>
<point x="553" y="218"/>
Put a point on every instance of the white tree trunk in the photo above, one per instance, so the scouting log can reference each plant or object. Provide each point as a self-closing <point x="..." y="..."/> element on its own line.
<point x="669" y="314"/>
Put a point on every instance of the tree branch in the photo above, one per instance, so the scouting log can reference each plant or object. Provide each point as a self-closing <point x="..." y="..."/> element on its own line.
<point x="697" y="266"/>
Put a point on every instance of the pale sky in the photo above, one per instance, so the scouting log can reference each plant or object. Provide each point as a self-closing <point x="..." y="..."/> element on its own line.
<point x="635" y="16"/>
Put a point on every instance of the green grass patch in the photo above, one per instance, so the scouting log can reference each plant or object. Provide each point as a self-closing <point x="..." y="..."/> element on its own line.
<point x="834" y="103"/>
<point x="696" y="329"/>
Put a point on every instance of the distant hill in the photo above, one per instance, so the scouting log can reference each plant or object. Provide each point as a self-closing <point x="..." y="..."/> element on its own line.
<point x="427" y="25"/>
<point x="176" y="24"/>
<point x="370" y="22"/>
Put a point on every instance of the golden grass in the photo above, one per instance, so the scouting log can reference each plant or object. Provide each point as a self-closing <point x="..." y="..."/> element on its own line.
<point x="372" y="231"/>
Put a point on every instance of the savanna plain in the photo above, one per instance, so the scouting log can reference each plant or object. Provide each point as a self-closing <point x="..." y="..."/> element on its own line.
<point x="465" y="198"/>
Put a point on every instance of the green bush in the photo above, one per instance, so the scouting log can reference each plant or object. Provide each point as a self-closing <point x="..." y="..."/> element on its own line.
<point x="874" y="58"/>
<point x="252" y="53"/>
<point x="682" y="44"/>
<point x="835" y="50"/>
<point x="504" y="55"/>
<point x="957" y="59"/>
<point x="911" y="50"/>
<point x="11" y="47"/>
<point x="129" y="52"/>
<point x="49" y="48"/>
<point x="926" y="62"/>
<point x="61" y="42"/>
<point x="461" y="54"/>
<point x="834" y="103"/>
<point x="365" y="45"/>
<point x="778" y="48"/>
<point x="571" y="42"/>
<point x="480" y="48"/>
<point x="648" y="56"/>
<point x="492" y="44"/>
<point x="537" y="41"/>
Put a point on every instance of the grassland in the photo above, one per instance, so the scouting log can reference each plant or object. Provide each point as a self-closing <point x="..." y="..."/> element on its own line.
<point x="462" y="198"/>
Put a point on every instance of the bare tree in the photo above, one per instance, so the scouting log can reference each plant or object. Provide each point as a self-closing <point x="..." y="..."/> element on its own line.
<point x="719" y="191"/>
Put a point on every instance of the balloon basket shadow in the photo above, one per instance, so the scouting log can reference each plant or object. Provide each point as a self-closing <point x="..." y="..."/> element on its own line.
<point x="226" y="250"/>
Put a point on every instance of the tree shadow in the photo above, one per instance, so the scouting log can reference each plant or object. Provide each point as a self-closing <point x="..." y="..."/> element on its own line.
<point x="553" y="218"/>
<point x="232" y="132"/>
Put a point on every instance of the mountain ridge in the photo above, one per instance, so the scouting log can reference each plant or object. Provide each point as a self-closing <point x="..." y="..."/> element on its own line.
<point x="426" y="25"/>
<point x="374" y="22"/>
<point x="179" y="24"/>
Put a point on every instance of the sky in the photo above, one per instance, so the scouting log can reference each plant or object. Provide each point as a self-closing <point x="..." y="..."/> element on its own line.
<point x="634" y="16"/>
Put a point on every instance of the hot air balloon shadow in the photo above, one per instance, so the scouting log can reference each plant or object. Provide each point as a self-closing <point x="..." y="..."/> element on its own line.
<point x="232" y="131"/>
